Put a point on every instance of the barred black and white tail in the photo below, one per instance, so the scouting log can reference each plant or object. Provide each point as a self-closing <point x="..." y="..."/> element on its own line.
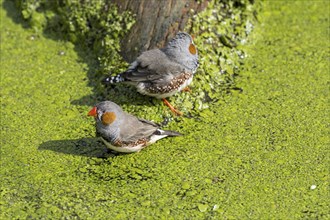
<point x="114" y="79"/>
<point x="159" y="134"/>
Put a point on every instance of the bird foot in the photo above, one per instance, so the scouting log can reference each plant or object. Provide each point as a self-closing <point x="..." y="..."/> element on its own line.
<point x="175" y="111"/>
<point x="187" y="89"/>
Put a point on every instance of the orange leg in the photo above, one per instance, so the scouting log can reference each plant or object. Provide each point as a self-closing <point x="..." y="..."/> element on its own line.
<point x="175" y="111"/>
<point x="187" y="89"/>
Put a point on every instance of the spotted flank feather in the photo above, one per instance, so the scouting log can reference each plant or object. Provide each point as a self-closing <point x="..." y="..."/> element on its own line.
<point x="139" y="144"/>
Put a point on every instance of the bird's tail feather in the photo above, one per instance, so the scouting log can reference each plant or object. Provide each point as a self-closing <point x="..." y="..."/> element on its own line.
<point x="168" y="133"/>
<point x="114" y="79"/>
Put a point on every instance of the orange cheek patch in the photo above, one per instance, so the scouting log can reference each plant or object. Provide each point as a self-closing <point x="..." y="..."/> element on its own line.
<point x="192" y="49"/>
<point x="108" y="118"/>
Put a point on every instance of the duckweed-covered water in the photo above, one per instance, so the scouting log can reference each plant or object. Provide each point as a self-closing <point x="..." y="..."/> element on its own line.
<point x="260" y="153"/>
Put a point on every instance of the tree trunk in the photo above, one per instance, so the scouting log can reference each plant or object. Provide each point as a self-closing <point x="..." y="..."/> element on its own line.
<point x="157" y="21"/>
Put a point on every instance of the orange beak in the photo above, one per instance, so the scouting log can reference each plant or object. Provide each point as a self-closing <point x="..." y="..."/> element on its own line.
<point x="93" y="112"/>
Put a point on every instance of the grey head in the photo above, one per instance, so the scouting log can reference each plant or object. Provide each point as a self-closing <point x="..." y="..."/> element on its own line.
<point x="108" y="117"/>
<point x="181" y="49"/>
<point x="107" y="107"/>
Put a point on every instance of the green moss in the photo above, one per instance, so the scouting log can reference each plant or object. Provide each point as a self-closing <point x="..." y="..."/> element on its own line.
<point x="253" y="153"/>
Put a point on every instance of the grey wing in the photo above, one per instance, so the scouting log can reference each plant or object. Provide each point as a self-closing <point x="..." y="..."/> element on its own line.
<point x="153" y="65"/>
<point x="133" y="129"/>
<point x="149" y="122"/>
